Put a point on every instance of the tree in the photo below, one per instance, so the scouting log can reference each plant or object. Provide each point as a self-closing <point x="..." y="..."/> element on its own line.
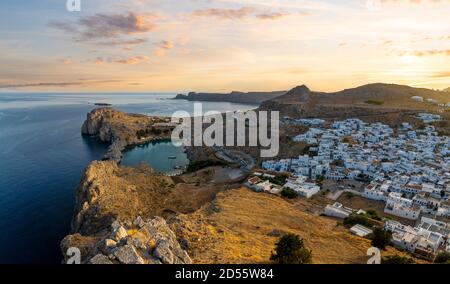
<point x="289" y="193"/>
<point x="396" y="259"/>
<point x="381" y="238"/>
<point x="443" y="258"/>
<point x="290" y="249"/>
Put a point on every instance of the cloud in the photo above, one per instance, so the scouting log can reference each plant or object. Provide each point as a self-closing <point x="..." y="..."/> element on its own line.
<point x="130" y="42"/>
<point x="163" y="47"/>
<point x="133" y="60"/>
<point x="55" y="84"/>
<point x="221" y="13"/>
<point x="409" y="1"/>
<point x="272" y="16"/>
<point x="422" y="53"/>
<point x="66" y="61"/>
<point x="108" y="26"/>
<point x="444" y="74"/>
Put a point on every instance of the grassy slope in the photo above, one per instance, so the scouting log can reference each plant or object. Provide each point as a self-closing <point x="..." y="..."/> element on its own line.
<point x="237" y="228"/>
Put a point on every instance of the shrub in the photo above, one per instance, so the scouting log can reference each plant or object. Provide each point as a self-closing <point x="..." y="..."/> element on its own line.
<point x="355" y="219"/>
<point x="289" y="193"/>
<point x="290" y="249"/>
<point x="374" y="102"/>
<point x="443" y="257"/>
<point x="396" y="259"/>
<point x="381" y="238"/>
<point x="373" y="215"/>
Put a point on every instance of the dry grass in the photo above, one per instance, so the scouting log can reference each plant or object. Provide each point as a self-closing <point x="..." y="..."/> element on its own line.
<point x="241" y="225"/>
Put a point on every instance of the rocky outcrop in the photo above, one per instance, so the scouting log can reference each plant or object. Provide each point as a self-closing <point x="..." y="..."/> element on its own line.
<point x="121" y="129"/>
<point x="137" y="242"/>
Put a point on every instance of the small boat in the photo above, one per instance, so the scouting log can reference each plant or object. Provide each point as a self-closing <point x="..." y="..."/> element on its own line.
<point x="172" y="157"/>
<point x="177" y="167"/>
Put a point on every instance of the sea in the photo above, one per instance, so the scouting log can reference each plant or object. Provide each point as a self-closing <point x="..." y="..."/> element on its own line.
<point x="43" y="155"/>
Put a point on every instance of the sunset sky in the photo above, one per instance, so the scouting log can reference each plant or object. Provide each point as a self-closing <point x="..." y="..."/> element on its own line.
<point x="222" y="45"/>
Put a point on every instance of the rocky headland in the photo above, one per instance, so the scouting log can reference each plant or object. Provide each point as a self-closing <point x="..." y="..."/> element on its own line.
<point x="233" y="97"/>
<point x="122" y="130"/>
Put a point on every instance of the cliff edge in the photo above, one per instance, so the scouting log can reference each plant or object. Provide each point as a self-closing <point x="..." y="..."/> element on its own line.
<point x="107" y="225"/>
<point x="122" y="129"/>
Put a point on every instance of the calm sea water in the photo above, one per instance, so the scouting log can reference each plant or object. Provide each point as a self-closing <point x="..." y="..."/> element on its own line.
<point x="43" y="155"/>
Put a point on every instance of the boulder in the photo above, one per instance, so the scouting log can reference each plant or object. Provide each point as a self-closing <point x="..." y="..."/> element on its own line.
<point x="120" y="233"/>
<point x="128" y="255"/>
<point x="100" y="259"/>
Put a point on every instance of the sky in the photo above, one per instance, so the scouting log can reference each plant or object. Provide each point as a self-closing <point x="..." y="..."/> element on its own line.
<point x="222" y="45"/>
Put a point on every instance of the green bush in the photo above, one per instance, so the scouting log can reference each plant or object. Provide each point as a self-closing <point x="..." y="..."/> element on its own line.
<point x="290" y="249"/>
<point x="381" y="238"/>
<point x="355" y="219"/>
<point x="289" y="193"/>
<point x="373" y="215"/>
<point x="396" y="259"/>
<point x="374" y="102"/>
<point x="279" y="179"/>
<point x="443" y="258"/>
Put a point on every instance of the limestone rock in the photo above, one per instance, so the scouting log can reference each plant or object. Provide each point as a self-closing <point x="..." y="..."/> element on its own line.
<point x="128" y="255"/>
<point x="139" y="222"/>
<point x="100" y="259"/>
<point x="149" y="242"/>
<point x="163" y="251"/>
<point x="120" y="233"/>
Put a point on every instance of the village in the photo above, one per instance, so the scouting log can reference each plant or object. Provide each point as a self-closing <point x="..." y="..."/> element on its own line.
<point x="406" y="169"/>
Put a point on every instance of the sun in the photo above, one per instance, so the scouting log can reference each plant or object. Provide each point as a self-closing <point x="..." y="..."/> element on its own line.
<point x="408" y="59"/>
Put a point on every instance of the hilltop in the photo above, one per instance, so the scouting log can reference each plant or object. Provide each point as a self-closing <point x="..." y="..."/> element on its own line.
<point x="374" y="102"/>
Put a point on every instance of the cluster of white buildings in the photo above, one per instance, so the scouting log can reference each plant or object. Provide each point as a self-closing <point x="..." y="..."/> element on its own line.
<point x="428" y="117"/>
<point x="426" y="240"/>
<point x="429" y="100"/>
<point x="257" y="183"/>
<point x="301" y="185"/>
<point x="408" y="169"/>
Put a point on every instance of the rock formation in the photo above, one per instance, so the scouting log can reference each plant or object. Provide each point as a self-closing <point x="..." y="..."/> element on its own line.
<point x="121" y="129"/>
<point x="139" y="242"/>
<point x="107" y="227"/>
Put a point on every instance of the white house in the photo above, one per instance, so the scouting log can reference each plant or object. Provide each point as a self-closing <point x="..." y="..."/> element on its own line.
<point x="337" y="210"/>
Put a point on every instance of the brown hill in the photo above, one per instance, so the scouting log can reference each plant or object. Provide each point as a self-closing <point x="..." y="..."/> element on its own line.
<point x="373" y="100"/>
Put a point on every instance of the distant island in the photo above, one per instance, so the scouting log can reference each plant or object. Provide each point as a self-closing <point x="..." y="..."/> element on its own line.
<point x="102" y="104"/>
<point x="233" y="97"/>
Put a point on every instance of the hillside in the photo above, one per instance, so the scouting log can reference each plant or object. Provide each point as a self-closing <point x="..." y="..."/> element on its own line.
<point x="233" y="97"/>
<point x="242" y="226"/>
<point x="373" y="102"/>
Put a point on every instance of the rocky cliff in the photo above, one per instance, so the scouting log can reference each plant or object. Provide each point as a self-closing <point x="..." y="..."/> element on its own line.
<point x="107" y="225"/>
<point x="138" y="242"/>
<point x="121" y="129"/>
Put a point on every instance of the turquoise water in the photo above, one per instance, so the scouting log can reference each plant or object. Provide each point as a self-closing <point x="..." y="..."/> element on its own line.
<point x="43" y="155"/>
<point x="163" y="156"/>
